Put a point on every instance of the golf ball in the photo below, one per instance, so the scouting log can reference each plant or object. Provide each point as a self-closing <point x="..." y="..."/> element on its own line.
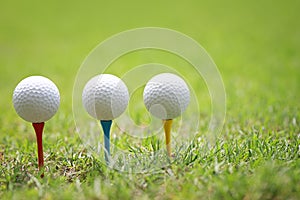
<point x="36" y="99"/>
<point x="166" y="96"/>
<point x="105" y="97"/>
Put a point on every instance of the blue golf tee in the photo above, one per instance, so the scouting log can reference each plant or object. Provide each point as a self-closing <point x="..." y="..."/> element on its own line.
<point x="106" y="125"/>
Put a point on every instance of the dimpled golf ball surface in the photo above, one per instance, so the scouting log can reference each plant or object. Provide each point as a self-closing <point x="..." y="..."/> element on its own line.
<point x="36" y="99"/>
<point x="166" y="96"/>
<point x="105" y="97"/>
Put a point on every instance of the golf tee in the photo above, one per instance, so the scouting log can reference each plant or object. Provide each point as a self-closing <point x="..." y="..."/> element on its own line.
<point x="38" y="128"/>
<point x="167" y="128"/>
<point x="106" y="125"/>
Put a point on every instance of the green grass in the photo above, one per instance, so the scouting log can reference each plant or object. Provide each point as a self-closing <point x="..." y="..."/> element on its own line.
<point x="255" y="46"/>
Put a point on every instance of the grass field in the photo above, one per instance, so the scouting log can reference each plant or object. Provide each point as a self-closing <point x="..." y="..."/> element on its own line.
<point x="256" y="47"/>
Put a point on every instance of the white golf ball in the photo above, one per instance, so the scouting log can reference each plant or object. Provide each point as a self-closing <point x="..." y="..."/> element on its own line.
<point x="36" y="99"/>
<point x="166" y="96"/>
<point x="105" y="97"/>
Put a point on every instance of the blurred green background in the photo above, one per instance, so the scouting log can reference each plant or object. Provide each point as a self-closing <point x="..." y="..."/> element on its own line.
<point x="255" y="45"/>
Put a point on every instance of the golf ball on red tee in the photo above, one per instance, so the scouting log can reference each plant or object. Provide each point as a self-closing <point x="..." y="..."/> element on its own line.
<point x="36" y="99"/>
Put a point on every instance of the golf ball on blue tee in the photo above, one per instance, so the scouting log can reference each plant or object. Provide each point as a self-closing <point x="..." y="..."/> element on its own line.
<point x="36" y="99"/>
<point x="105" y="97"/>
<point x="166" y="96"/>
